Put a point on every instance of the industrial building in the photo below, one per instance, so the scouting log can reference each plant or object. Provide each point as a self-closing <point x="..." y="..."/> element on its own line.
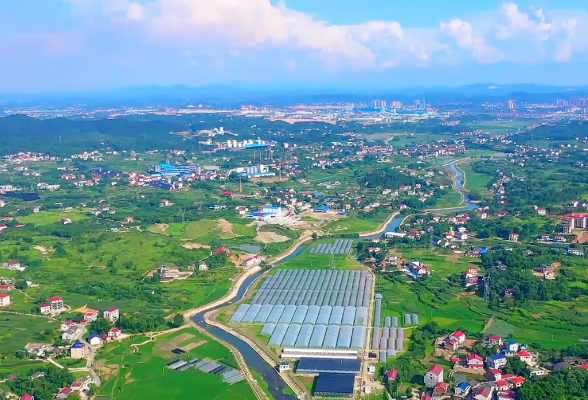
<point x="166" y="169"/>
<point x="334" y="385"/>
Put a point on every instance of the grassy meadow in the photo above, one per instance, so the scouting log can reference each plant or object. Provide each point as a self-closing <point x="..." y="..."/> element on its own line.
<point x="129" y="374"/>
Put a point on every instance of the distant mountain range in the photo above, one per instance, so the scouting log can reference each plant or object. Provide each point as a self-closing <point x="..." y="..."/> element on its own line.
<point x="236" y="93"/>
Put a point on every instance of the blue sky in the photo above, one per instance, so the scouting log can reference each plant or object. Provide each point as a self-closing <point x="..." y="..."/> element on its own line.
<point x="65" y="45"/>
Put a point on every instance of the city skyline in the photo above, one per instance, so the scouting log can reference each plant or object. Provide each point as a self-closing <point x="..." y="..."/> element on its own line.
<point x="73" y="45"/>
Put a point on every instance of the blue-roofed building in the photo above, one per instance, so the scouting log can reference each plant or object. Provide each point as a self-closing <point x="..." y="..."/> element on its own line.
<point x="462" y="389"/>
<point x="321" y="209"/>
<point x="94" y="339"/>
<point x="511" y="345"/>
<point x="313" y="366"/>
<point x="77" y="350"/>
<point x="496" y="361"/>
<point x="166" y="169"/>
<point x="276" y="211"/>
<point x="334" y="385"/>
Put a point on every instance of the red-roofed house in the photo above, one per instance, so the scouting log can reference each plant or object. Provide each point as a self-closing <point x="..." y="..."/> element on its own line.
<point x="66" y="391"/>
<point x="5" y="288"/>
<point x="427" y="397"/>
<point x="26" y="397"/>
<point x="506" y="395"/>
<point x="4" y="299"/>
<point x="440" y="388"/>
<point x="251" y="261"/>
<point x="114" y="333"/>
<point x="45" y="308"/>
<point x="459" y="336"/>
<point x="493" y="374"/>
<point x="514" y="237"/>
<point x="484" y="393"/>
<point x="494" y="340"/>
<point x="56" y="303"/>
<point x="66" y="325"/>
<point x="392" y="375"/>
<point x="502" y="384"/>
<point x="433" y="376"/>
<point x="526" y="356"/>
<point x="517" y="381"/>
<point x="112" y="314"/>
<point x="451" y="344"/>
<point x="475" y="361"/>
<point x="91" y="315"/>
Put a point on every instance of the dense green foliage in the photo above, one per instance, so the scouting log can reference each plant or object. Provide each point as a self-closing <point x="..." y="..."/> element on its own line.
<point x="567" y="384"/>
<point x="43" y="388"/>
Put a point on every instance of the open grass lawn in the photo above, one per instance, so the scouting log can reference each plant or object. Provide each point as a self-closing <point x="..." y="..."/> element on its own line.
<point x="476" y="183"/>
<point x="353" y="223"/>
<point x="54" y="216"/>
<point x="17" y="330"/>
<point x="499" y="126"/>
<point x="144" y="374"/>
<point x="451" y="199"/>
<point x="17" y="367"/>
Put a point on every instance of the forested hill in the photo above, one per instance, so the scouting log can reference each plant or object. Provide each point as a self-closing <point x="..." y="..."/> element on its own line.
<point x="569" y="131"/>
<point x="61" y="136"/>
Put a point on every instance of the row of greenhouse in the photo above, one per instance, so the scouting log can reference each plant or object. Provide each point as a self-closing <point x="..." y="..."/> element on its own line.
<point x="313" y="298"/>
<point x="298" y="279"/>
<point x="315" y="336"/>
<point x="339" y="246"/>
<point x="280" y="314"/>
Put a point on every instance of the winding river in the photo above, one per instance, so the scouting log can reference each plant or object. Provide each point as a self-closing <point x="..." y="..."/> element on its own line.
<point x="276" y="385"/>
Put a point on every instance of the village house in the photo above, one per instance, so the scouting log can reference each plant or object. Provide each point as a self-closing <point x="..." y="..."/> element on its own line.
<point x="483" y="393"/>
<point x="514" y="237"/>
<point x="494" y="340"/>
<point x="71" y="334"/>
<point x="95" y="339"/>
<point x="251" y="261"/>
<point x="496" y="361"/>
<point x="112" y="314"/>
<point x="14" y="266"/>
<point x="66" y="325"/>
<point x="475" y="361"/>
<point x="91" y="315"/>
<point x="65" y="221"/>
<point x="526" y="356"/>
<point x="493" y="375"/>
<point x="114" y="333"/>
<point x="165" y="203"/>
<point x="462" y="389"/>
<point x="77" y="350"/>
<point x="4" y="299"/>
<point x="511" y="346"/>
<point x="45" y="308"/>
<point x="541" y="211"/>
<point x="56" y="303"/>
<point x="433" y="376"/>
<point x="82" y="384"/>
<point x="5" y="288"/>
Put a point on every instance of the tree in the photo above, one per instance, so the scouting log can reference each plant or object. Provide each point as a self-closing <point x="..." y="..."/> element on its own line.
<point x="178" y="320"/>
<point x="100" y="326"/>
<point x="314" y="236"/>
<point x="516" y="366"/>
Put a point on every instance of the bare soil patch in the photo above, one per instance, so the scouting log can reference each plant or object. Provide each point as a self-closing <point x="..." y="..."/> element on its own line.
<point x="44" y="250"/>
<point x="83" y="309"/>
<point x="226" y="229"/>
<point x="328" y="216"/>
<point x="163" y="348"/>
<point x="159" y="228"/>
<point x="193" y="345"/>
<point x="190" y="245"/>
<point x="269" y="179"/>
<point x="270" y="237"/>
<point x="583" y="237"/>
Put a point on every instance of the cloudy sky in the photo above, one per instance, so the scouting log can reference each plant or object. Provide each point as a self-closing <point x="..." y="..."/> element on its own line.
<point x="49" y="45"/>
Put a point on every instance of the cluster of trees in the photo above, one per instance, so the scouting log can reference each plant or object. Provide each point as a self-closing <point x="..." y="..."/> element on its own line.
<point x="523" y="285"/>
<point x="117" y="291"/>
<point x="387" y="178"/>
<point x="566" y="384"/>
<point x="42" y="388"/>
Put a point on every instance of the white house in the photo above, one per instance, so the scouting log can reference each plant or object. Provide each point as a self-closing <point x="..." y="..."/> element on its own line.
<point x="526" y="356"/>
<point x="66" y="325"/>
<point x="114" y="333"/>
<point x="56" y="303"/>
<point x="202" y="267"/>
<point x="433" y="376"/>
<point x="45" y="308"/>
<point x="112" y="314"/>
<point x="514" y="237"/>
<point x="95" y="340"/>
<point x="70" y="334"/>
<point x="251" y="261"/>
<point x="496" y="361"/>
<point x="4" y="299"/>
<point x="459" y="336"/>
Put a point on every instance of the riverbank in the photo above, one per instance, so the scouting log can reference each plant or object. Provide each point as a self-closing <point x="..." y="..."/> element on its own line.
<point x="382" y="227"/>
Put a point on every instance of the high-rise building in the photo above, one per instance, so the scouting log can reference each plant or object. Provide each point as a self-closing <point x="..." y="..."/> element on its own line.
<point x="420" y="104"/>
<point x="511" y="105"/>
<point x="379" y="103"/>
<point x="396" y="104"/>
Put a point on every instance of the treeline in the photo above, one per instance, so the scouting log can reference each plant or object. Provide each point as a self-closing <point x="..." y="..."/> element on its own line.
<point x="43" y="388"/>
<point x="568" y="131"/>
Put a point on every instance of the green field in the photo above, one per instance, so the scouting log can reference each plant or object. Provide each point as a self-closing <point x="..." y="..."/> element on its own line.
<point x="144" y="374"/>
<point x="307" y="260"/>
<point x="476" y="183"/>
<point x="55" y="216"/>
<point x="17" y="330"/>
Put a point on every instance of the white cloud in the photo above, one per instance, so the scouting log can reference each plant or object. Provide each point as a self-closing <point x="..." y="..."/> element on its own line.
<point x="508" y="33"/>
<point x="463" y="33"/>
